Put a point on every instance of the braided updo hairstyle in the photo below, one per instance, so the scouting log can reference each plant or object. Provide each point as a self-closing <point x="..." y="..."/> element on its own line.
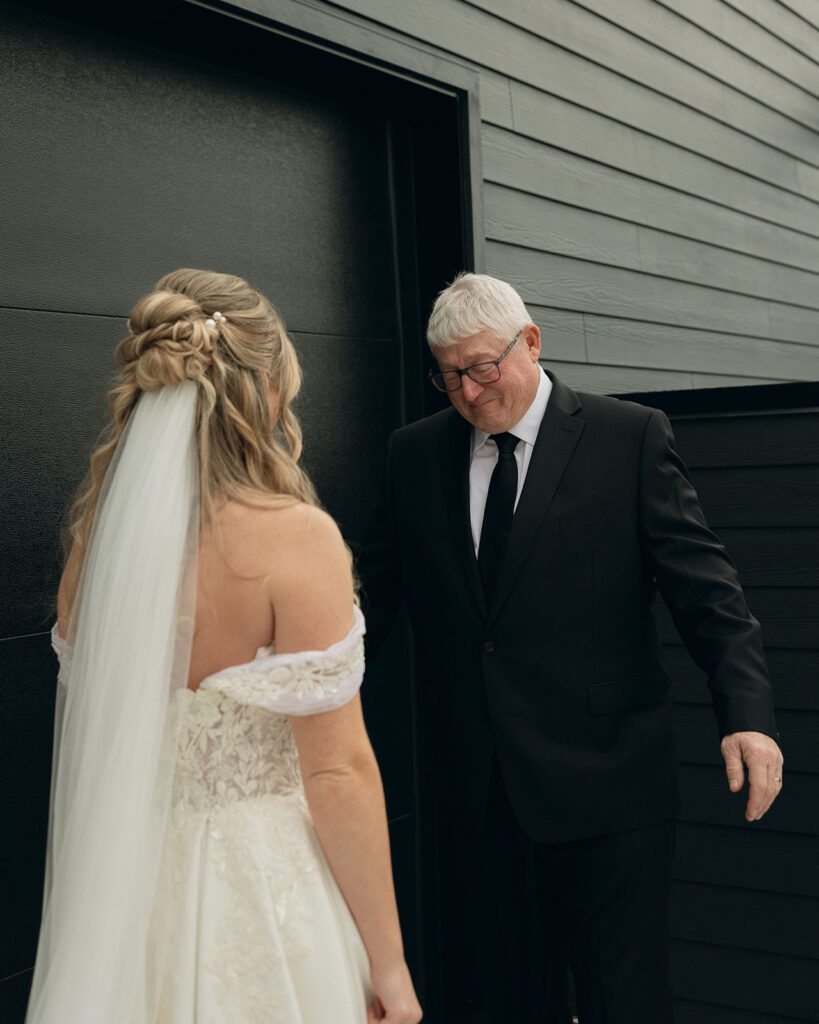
<point x="234" y="357"/>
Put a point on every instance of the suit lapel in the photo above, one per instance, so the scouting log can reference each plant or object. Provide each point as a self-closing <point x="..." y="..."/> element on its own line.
<point x="455" y="444"/>
<point x="557" y="438"/>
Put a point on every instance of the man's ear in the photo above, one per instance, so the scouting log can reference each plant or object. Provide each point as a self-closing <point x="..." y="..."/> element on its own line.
<point x="530" y="335"/>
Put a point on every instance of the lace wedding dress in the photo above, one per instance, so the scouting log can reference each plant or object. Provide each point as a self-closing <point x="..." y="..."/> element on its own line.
<point x="249" y="925"/>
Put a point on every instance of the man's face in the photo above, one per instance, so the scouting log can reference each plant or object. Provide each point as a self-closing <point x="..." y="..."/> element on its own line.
<point x="498" y="406"/>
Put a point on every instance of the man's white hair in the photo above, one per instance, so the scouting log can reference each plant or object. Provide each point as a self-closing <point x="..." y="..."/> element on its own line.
<point x="472" y="304"/>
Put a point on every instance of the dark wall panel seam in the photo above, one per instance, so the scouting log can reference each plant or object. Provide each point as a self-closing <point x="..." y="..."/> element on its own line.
<point x="759" y="1018"/>
<point x="17" y="974"/>
<point x="63" y="312"/>
<point x="724" y="945"/>
<point x="24" y="636"/>
<point x="744" y="890"/>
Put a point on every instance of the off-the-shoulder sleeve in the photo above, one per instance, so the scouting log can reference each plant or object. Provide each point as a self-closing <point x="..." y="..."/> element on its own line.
<point x="303" y="683"/>
<point x="64" y="651"/>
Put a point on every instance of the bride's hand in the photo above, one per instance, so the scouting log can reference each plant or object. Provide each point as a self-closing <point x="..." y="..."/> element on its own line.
<point x="395" y="999"/>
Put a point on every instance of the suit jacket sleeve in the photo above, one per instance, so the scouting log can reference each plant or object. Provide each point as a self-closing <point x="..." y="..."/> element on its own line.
<point x="699" y="584"/>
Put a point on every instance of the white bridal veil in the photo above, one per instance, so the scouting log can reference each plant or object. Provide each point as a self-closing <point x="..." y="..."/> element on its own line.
<point x="131" y="631"/>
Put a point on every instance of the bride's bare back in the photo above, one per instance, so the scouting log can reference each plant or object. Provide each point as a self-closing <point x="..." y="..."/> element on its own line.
<point x="268" y="575"/>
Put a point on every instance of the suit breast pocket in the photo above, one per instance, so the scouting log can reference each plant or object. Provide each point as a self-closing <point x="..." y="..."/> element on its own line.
<point x="588" y="517"/>
<point x="621" y="695"/>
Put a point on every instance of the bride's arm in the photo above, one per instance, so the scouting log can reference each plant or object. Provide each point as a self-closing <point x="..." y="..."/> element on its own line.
<point x="313" y="601"/>
<point x="68" y="589"/>
<point x="346" y="800"/>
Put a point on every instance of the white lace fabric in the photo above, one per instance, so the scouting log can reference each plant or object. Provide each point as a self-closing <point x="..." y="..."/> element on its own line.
<point x="304" y="683"/>
<point x="65" y="652"/>
<point x="248" y="916"/>
<point x="234" y="739"/>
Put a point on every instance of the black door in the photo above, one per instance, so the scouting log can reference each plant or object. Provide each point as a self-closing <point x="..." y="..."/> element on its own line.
<point x="130" y="149"/>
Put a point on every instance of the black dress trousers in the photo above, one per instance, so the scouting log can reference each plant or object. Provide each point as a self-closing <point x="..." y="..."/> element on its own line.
<point x="518" y="916"/>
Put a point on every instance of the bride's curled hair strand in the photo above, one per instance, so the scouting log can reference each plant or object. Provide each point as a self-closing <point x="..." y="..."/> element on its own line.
<point x="236" y="360"/>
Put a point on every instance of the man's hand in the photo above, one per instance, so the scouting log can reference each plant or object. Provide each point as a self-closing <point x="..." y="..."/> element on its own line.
<point x="764" y="761"/>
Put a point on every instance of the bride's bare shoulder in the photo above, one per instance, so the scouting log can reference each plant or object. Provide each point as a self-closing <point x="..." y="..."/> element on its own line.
<point x="298" y="554"/>
<point x="283" y="539"/>
<point x="309" y="579"/>
<point x="69" y="582"/>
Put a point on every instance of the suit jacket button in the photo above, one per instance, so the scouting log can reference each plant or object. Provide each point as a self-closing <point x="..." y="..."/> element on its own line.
<point x="489" y="647"/>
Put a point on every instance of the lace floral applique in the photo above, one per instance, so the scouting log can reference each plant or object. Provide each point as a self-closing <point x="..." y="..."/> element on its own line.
<point x="228" y="751"/>
<point x="65" y="653"/>
<point x="239" y="798"/>
<point x="275" y="860"/>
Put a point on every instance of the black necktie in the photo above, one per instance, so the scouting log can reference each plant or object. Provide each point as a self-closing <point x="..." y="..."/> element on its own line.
<point x="500" y="507"/>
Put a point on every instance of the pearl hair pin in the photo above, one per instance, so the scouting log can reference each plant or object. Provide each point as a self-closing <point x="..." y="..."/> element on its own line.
<point x="216" y="318"/>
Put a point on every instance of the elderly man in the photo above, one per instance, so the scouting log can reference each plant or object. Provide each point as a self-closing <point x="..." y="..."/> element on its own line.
<point x="528" y="529"/>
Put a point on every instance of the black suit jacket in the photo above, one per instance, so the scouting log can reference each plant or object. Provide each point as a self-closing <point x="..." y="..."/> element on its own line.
<point x="561" y="671"/>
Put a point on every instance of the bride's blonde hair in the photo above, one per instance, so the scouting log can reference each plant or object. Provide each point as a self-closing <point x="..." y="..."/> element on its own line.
<point x="235" y="358"/>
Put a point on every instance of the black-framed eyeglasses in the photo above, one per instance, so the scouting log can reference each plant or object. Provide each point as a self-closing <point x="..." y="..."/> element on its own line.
<point x="481" y="373"/>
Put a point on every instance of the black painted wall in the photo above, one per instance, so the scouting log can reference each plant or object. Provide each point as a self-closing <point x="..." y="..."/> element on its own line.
<point x="138" y="141"/>
<point x="745" y="900"/>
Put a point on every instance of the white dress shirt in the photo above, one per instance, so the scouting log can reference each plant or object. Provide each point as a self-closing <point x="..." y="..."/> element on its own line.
<point x="485" y="456"/>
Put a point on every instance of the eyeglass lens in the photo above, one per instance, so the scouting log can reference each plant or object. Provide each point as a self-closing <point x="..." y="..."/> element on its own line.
<point x="481" y="373"/>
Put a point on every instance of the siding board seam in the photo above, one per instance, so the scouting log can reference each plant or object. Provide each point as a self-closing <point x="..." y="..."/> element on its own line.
<point x="517" y="190"/>
<point x="787" y="7"/>
<point x="685" y="149"/>
<point x="706" y="73"/>
<point x="498" y="138"/>
<point x="736" y="49"/>
<point x="688" y="327"/>
<point x="648" y="273"/>
<point x="740" y="413"/>
<point x="704" y="330"/>
<point x="656" y="181"/>
<point x="550" y="360"/>
<point x="653" y="89"/>
<point x="478" y="63"/>
<point x="742" y="949"/>
<point x="770" y="31"/>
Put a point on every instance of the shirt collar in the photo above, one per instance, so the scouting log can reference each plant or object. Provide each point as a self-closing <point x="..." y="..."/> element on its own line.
<point x="528" y="425"/>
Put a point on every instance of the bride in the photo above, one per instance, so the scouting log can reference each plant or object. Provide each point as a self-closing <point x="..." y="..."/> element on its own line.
<point x="218" y="847"/>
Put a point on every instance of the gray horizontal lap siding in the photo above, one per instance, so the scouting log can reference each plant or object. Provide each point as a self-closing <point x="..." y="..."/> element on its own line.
<point x="651" y="179"/>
